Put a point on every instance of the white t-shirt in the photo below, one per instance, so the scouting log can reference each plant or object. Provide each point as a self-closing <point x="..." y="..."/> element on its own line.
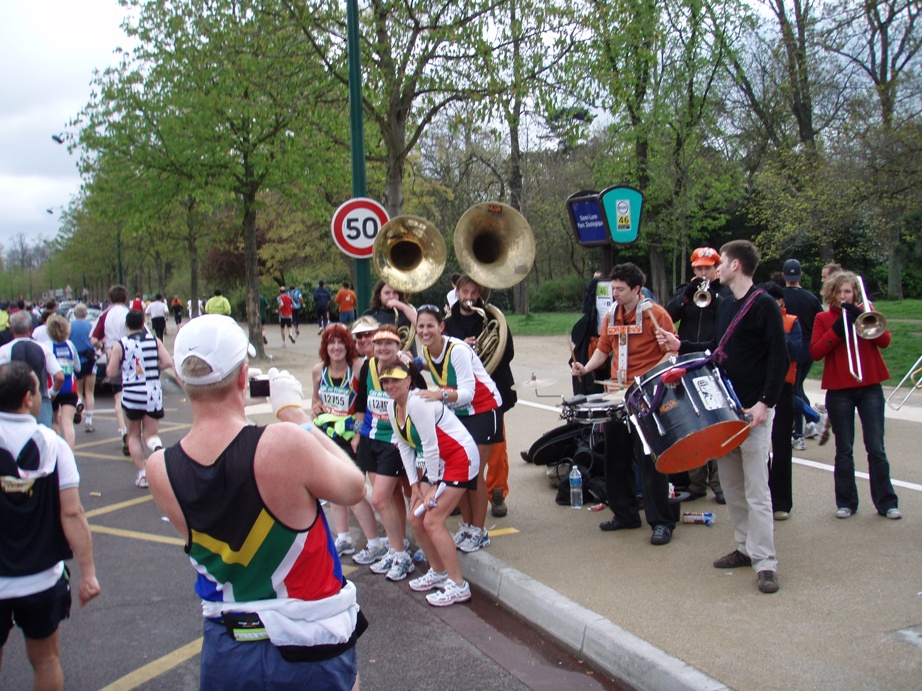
<point x="51" y="362"/>
<point x="115" y="324"/>
<point x="157" y="309"/>
<point x="17" y="429"/>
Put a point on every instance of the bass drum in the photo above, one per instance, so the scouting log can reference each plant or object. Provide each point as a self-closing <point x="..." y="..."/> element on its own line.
<point x="685" y="414"/>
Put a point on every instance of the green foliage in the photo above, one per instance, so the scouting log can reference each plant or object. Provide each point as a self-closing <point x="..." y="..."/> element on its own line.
<point x="543" y="324"/>
<point x="558" y="295"/>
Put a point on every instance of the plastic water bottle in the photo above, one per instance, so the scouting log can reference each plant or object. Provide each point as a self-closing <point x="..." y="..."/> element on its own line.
<point x="576" y="488"/>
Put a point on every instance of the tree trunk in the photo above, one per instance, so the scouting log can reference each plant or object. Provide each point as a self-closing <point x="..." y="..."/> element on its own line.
<point x="657" y="278"/>
<point x="251" y="256"/>
<point x="193" y="259"/>
<point x="894" y="266"/>
<point x="396" y="158"/>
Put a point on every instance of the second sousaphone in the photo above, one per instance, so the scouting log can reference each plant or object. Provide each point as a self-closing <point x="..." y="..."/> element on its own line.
<point x="495" y="246"/>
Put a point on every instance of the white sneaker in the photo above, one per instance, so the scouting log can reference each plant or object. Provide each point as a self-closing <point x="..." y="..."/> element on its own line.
<point x="344" y="545"/>
<point x="844" y="512"/>
<point x="384" y="564"/>
<point x="810" y="430"/>
<point x="799" y="444"/>
<point x="141" y="480"/>
<point x="431" y="580"/>
<point x="450" y="595"/>
<point x="403" y="565"/>
<point x="463" y="532"/>
<point x="476" y="539"/>
<point x="369" y="555"/>
<point x="894" y="514"/>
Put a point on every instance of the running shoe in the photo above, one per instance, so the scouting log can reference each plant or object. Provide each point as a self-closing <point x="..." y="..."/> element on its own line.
<point x="344" y="545"/>
<point x="477" y="539"/>
<point x="403" y="565"/>
<point x="78" y="414"/>
<point x="125" y="451"/>
<point x="811" y="431"/>
<point x="384" y="564"/>
<point x="90" y="427"/>
<point x="430" y="581"/>
<point x="463" y="532"/>
<point x="799" y="444"/>
<point x="450" y="595"/>
<point x="369" y="555"/>
<point x="141" y="480"/>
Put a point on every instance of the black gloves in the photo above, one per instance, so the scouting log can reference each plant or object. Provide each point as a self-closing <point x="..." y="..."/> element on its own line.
<point x="852" y="311"/>
<point x="692" y="288"/>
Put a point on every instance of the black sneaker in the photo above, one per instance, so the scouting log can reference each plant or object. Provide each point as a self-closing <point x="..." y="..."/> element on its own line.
<point x="498" y="503"/>
<point x="734" y="560"/>
<point x="720" y="499"/>
<point x="662" y="535"/>
<point x="768" y="582"/>
<point x="125" y="451"/>
<point x="615" y="524"/>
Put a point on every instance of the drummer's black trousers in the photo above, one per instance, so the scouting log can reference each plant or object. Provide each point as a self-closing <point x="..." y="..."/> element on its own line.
<point x="623" y="449"/>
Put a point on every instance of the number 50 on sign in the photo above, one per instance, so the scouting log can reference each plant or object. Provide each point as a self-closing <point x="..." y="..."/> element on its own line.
<point x="356" y="224"/>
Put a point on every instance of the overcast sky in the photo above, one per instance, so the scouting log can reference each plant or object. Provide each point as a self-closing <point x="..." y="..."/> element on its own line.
<point x="48" y="50"/>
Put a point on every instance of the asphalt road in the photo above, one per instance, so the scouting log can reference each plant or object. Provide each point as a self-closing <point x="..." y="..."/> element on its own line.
<point x="144" y="630"/>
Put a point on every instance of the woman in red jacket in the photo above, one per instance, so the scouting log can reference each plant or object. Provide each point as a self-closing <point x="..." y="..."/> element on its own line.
<point x="845" y="394"/>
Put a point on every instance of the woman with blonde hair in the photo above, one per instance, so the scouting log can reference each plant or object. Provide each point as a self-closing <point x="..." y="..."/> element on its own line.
<point x="846" y="394"/>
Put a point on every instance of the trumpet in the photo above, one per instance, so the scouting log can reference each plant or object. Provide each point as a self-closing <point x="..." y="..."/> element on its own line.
<point x="702" y="297"/>
<point x="868" y="325"/>
<point x="914" y="375"/>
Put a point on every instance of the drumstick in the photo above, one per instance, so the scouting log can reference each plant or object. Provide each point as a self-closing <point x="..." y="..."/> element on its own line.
<point x="735" y="436"/>
<point x="573" y="358"/>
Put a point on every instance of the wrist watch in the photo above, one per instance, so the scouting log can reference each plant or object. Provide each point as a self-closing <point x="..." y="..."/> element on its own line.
<point x="444" y="396"/>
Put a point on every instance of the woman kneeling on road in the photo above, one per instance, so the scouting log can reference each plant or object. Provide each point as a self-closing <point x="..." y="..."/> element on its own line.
<point x="428" y="430"/>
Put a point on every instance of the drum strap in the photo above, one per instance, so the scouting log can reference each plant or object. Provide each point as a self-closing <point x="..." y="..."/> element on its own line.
<point x="718" y="357"/>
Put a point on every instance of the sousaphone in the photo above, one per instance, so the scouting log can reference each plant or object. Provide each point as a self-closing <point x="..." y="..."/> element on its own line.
<point x="495" y="246"/>
<point x="409" y="255"/>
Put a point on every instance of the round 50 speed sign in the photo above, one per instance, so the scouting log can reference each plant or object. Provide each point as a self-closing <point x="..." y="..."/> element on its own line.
<point x="356" y="224"/>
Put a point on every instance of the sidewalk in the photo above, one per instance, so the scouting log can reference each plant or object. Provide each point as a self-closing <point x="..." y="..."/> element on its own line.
<point x="663" y="617"/>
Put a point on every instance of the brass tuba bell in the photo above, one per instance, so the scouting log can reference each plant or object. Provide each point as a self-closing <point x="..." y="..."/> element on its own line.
<point x="495" y="246"/>
<point x="409" y="255"/>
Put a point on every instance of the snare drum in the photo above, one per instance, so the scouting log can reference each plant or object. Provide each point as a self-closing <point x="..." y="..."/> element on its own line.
<point x="590" y="409"/>
<point x="685" y="414"/>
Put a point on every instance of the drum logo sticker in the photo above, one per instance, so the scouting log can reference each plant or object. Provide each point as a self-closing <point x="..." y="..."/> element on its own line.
<point x="709" y="393"/>
<point x="666" y="407"/>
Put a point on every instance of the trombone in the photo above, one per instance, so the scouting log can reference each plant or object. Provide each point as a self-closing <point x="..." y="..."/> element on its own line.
<point x="702" y="297"/>
<point x="915" y="376"/>
<point x="868" y="325"/>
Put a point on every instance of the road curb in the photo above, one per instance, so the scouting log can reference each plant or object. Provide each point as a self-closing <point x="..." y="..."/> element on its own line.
<point x="601" y="642"/>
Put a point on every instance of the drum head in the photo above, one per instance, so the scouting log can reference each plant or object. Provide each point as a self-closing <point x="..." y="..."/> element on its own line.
<point x="699" y="447"/>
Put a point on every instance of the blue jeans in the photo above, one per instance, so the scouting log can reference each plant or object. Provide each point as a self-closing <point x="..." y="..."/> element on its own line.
<point x="803" y="369"/>
<point x="800" y="406"/>
<point x="869" y="402"/>
<point x="46" y="415"/>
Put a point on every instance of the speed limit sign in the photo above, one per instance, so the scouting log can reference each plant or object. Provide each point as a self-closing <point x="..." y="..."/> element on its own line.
<point x="356" y="224"/>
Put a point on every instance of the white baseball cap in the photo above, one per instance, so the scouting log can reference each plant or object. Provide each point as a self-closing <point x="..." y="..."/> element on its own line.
<point x="216" y="339"/>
